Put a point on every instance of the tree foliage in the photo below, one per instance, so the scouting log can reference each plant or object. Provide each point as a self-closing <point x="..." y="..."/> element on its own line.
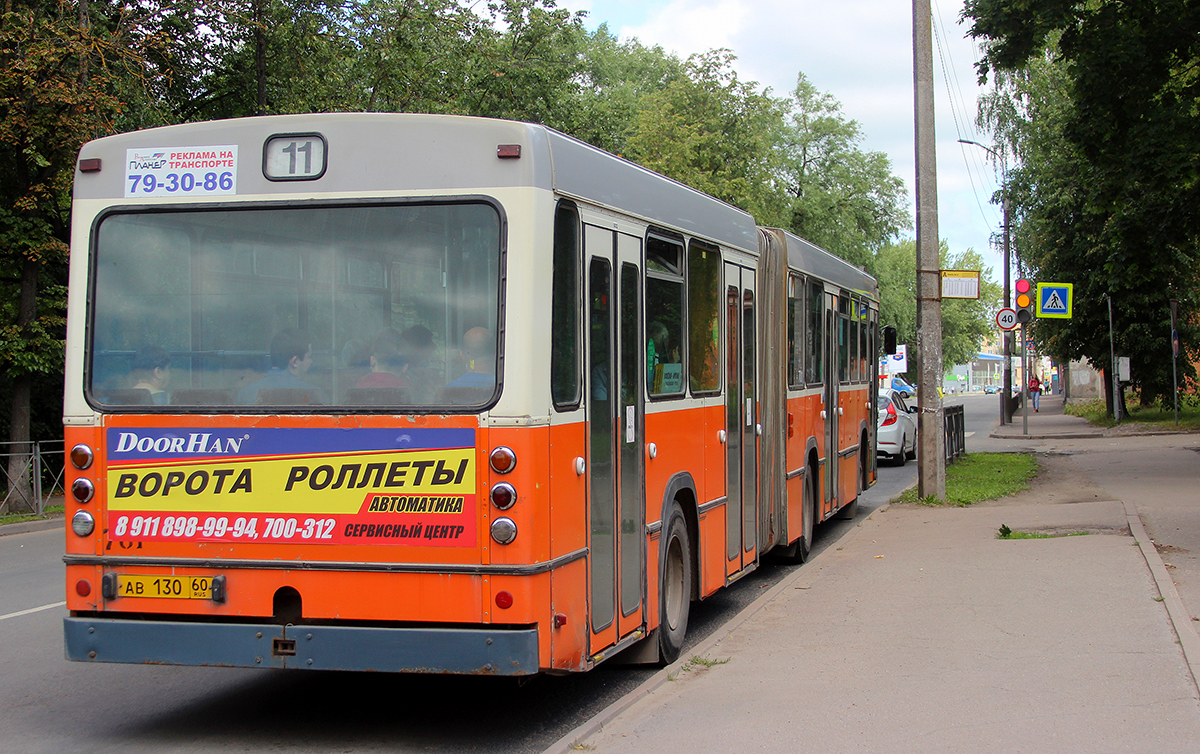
<point x="1098" y="101"/>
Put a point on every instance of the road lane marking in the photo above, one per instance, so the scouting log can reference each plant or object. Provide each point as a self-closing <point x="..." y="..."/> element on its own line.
<point x="32" y="610"/>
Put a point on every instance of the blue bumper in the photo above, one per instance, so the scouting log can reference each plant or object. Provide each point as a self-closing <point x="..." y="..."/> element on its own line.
<point x="474" y="651"/>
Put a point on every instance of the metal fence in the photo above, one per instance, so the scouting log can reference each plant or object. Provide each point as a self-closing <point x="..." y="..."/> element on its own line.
<point x="956" y="432"/>
<point x="32" y="476"/>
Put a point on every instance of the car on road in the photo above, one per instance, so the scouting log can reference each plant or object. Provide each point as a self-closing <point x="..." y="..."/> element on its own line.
<point x="903" y="388"/>
<point x="990" y="389"/>
<point x="896" y="435"/>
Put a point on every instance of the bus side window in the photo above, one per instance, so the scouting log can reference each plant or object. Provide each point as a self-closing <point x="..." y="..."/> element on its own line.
<point x="843" y="340"/>
<point x="565" y="306"/>
<point x="795" y="332"/>
<point x="704" y="308"/>
<point x="815" y="331"/>
<point x="664" y="316"/>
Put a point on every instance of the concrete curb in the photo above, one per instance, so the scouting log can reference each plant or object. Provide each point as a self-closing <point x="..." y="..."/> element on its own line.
<point x="1099" y="434"/>
<point x="1181" y="622"/>
<point x="27" y="526"/>
<point x="589" y="728"/>
<point x="1050" y="436"/>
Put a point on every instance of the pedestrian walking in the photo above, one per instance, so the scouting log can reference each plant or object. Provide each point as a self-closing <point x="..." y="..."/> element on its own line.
<point x="1035" y="392"/>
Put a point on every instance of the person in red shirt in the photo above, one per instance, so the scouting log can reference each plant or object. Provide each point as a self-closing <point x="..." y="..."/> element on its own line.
<point x="388" y="362"/>
<point x="1035" y="392"/>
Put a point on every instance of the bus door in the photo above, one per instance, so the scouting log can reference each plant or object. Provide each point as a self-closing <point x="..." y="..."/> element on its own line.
<point x="830" y="409"/>
<point x="616" y="436"/>
<point x="741" y="418"/>
<point x="631" y="490"/>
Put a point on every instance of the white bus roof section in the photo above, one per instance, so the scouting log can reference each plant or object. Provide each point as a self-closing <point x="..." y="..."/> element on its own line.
<point x="385" y="153"/>
<point x="815" y="261"/>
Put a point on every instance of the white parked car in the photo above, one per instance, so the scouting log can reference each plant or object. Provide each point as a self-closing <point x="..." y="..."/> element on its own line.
<point x="896" y="437"/>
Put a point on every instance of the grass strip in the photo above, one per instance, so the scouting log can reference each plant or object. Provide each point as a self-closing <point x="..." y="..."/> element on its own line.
<point x="982" y="476"/>
<point x="1163" y="417"/>
<point x="50" y="511"/>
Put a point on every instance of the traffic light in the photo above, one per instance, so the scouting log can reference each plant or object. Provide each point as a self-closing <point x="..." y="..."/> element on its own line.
<point x="1024" y="302"/>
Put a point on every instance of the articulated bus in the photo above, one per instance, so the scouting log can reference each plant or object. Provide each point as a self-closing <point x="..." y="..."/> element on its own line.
<point x="436" y="394"/>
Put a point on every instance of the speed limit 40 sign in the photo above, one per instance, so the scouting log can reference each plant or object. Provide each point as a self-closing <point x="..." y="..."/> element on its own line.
<point x="1006" y="319"/>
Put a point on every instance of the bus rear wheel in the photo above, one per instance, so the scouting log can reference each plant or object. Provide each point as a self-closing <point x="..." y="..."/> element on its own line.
<point x="675" y="589"/>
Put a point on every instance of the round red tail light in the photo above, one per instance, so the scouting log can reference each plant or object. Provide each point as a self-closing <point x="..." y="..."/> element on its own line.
<point x="83" y="490"/>
<point x="81" y="456"/>
<point x="503" y="495"/>
<point x="83" y="587"/>
<point x="504" y="600"/>
<point x="503" y="460"/>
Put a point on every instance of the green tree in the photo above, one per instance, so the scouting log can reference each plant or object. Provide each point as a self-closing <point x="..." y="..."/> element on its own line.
<point x="615" y="79"/>
<point x="58" y="75"/>
<point x="844" y="199"/>
<point x="1102" y="113"/>
<point x="716" y="133"/>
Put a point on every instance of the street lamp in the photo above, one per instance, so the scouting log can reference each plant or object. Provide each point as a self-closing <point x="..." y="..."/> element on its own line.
<point x="1006" y="393"/>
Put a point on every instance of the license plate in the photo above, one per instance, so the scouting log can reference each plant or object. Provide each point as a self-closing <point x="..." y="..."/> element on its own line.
<point x="169" y="587"/>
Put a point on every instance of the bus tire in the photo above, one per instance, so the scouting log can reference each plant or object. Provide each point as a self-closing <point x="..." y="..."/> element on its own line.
<point x="675" y="586"/>
<point x="797" y="552"/>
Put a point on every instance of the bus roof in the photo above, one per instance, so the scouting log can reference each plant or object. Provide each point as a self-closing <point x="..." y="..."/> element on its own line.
<point x="812" y="259"/>
<point x="382" y="153"/>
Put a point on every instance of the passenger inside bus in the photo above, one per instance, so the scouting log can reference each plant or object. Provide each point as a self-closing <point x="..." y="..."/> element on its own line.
<point x="151" y="371"/>
<point x="479" y="356"/>
<point x="389" y="363"/>
<point x="422" y="374"/>
<point x="291" y="358"/>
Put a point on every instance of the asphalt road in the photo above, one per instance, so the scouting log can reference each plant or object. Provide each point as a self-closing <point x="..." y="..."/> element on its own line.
<point x="52" y="705"/>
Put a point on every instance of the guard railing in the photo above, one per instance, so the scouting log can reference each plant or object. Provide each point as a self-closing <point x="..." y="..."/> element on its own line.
<point x="956" y="432"/>
<point x="32" y="476"/>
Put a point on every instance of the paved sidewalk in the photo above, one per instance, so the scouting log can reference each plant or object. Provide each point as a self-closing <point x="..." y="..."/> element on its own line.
<point x="1049" y="422"/>
<point x="924" y="633"/>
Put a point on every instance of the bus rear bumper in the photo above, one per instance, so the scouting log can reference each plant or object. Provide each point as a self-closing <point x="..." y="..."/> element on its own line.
<point x="472" y="651"/>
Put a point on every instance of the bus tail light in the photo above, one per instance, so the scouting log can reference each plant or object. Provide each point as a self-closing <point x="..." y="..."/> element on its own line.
<point x="83" y="524"/>
<point x="502" y="459"/>
<point x="83" y="587"/>
<point x="504" y="600"/>
<point x="891" y="416"/>
<point x="503" y="495"/>
<point x="504" y="530"/>
<point x="82" y="490"/>
<point x="81" y="456"/>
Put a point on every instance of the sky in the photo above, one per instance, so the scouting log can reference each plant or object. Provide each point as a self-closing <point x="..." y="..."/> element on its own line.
<point x="859" y="51"/>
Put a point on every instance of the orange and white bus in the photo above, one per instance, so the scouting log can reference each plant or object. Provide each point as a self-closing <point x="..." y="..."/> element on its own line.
<point x="438" y="394"/>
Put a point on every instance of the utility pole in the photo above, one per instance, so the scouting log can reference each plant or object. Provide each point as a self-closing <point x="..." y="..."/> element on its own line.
<point x="931" y="454"/>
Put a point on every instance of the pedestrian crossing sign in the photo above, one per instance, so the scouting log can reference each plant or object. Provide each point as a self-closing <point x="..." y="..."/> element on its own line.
<point x="1054" y="300"/>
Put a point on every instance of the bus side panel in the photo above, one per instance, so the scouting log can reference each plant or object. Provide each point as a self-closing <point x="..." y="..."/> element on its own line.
<point x="713" y="531"/>
<point x="801" y="411"/>
<point x="710" y="487"/>
<point x="680" y="439"/>
<point x="568" y="489"/>
<point x="568" y="592"/>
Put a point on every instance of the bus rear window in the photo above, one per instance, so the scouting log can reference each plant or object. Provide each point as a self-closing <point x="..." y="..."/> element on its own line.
<point x="300" y="308"/>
